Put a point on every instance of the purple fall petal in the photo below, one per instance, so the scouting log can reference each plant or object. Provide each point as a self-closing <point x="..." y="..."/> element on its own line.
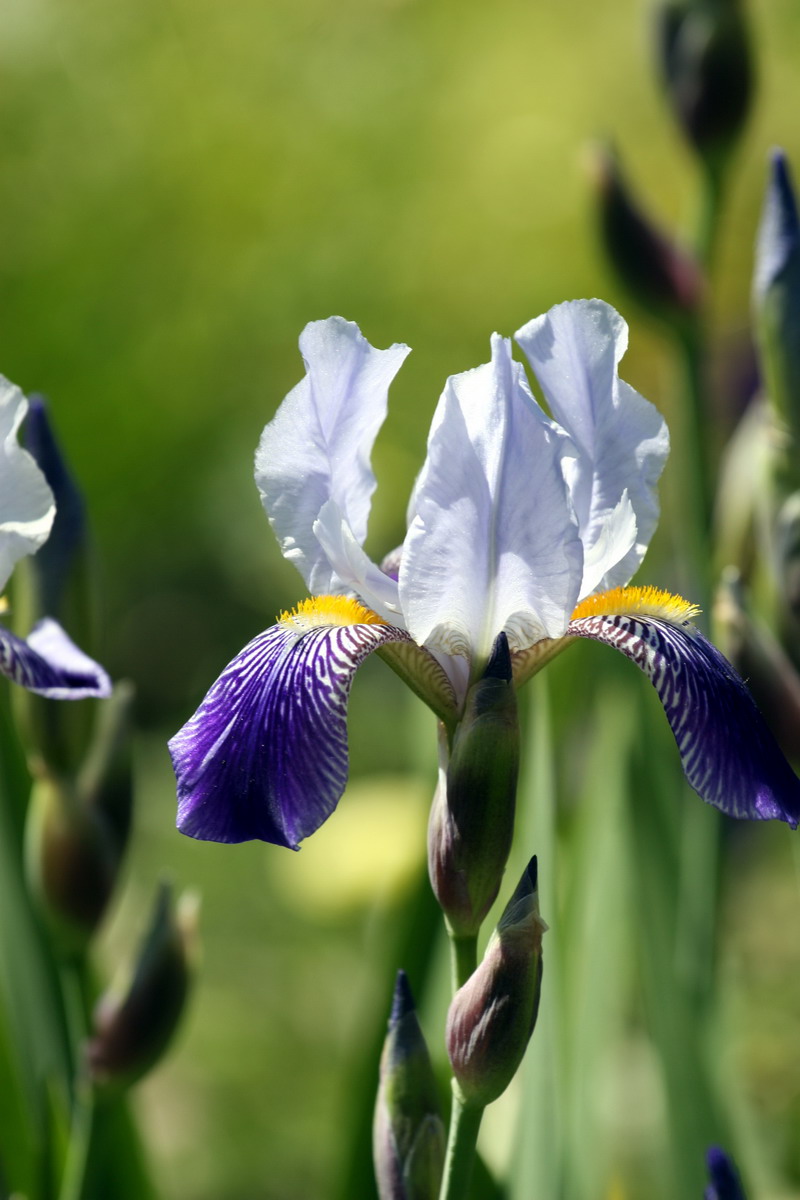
<point x="50" y="664"/>
<point x="729" y="755"/>
<point x="265" y="755"/>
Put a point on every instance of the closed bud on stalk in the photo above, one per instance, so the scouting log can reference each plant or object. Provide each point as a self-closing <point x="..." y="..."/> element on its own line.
<point x="472" y="818"/>
<point x="77" y="829"/>
<point x="761" y="660"/>
<point x="704" y="54"/>
<point x="492" y="1016"/>
<point x="54" y="583"/>
<point x="776" y="307"/>
<point x="659" y="275"/>
<point x="408" y="1131"/>
<point x="135" y="1021"/>
<point x="58" y="569"/>
<point x="725" y="1183"/>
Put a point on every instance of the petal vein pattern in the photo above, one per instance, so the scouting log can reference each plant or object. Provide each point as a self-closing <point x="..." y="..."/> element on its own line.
<point x="493" y="544"/>
<point x="728" y="754"/>
<point x="50" y="664"/>
<point x="621" y="441"/>
<point x="317" y="447"/>
<point x="265" y="755"/>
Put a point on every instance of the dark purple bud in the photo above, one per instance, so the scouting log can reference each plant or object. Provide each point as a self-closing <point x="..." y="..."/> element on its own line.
<point x="725" y="1183"/>
<point x="776" y="309"/>
<point x="134" y="1024"/>
<point x="659" y="275"/>
<point x="704" y="54"/>
<point x="55" y="567"/>
<point x="472" y="819"/>
<point x="408" y="1131"/>
<point x="492" y="1016"/>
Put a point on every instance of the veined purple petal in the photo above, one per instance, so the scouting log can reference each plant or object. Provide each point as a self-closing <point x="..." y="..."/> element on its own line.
<point x="50" y="664"/>
<point x="728" y="754"/>
<point x="265" y="755"/>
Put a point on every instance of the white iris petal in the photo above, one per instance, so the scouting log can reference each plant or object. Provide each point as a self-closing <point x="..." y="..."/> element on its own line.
<point x="27" y="507"/>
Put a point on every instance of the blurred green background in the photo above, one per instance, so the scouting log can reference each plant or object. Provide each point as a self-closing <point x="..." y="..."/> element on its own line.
<point x="183" y="185"/>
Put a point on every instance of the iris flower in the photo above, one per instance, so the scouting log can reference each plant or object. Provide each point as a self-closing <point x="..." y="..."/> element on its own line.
<point x="47" y="662"/>
<point x="519" y="522"/>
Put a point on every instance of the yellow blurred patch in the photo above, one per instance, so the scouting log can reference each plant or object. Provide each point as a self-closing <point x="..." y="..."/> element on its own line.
<point x="3" y="604"/>
<point x="367" y="852"/>
<point x="319" y="611"/>
<point x="638" y="601"/>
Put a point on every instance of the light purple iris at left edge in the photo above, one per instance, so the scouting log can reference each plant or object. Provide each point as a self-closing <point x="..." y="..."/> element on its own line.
<point x="728" y="754"/>
<point x="265" y="755"/>
<point x="50" y="664"/>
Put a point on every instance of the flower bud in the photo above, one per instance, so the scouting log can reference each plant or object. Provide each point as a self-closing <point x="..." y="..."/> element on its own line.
<point x="408" y="1131"/>
<point x="135" y="1021"/>
<point x="77" y="830"/>
<point x="472" y="819"/>
<point x="759" y="658"/>
<point x="776" y="306"/>
<point x="58" y="569"/>
<point x="659" y="275"/>
<point x="492" y="1016"/>
<point x="54" y="583"/>
<point x="703" y="48"/>
<point x="725" y="1183"/>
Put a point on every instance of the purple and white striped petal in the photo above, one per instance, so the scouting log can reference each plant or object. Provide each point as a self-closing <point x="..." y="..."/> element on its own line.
<point x="27" y="508"/>
<point x="621" y="440"/>
<point x="728" y="754"/>
<point x="317" y="447"/>
<point x="50" y="664"/>
<point x="265" y="755"/>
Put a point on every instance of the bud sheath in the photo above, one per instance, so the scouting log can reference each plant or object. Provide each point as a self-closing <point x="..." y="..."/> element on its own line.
<point x="472" y="819"/>
<point x="493" y="1015"/>
<point x="408" y="1131"/>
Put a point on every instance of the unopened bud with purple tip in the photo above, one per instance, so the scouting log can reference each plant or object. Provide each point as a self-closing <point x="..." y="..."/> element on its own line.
<point x="408" y="1131"/>
<point x="492" y="1016"/>
<point x="776" y="308"/>
<point x="472" y="819"/>
<point x="704" y="53"/>
<point x="658" y="273"/>
<point x="725" y="1183"/>
<point x="58" y="569"/>
<point x="134" y="1022"/>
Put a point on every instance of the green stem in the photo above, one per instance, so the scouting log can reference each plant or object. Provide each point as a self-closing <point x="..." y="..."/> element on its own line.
<point x="76" y="992"/>
<point x="706" y="229"/>
<point x="695" y="455"/>
<point x="465" y="1121"/>
<point x="463" y="958"/>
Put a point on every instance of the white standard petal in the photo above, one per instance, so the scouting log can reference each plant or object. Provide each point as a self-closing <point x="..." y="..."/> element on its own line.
<point x="27" y="507"/>
<point x="353" y="567"/>
<point x="620" y="438"/>
<point x="318" y="446"/>
<point x="494" y="544"/>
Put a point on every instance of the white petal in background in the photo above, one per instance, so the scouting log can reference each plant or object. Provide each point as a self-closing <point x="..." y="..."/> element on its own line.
<point x="620" y="438"/>
<point x="318" y="446"/>
<point x="494" y="544"/>
<point x="27" y="507"/>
